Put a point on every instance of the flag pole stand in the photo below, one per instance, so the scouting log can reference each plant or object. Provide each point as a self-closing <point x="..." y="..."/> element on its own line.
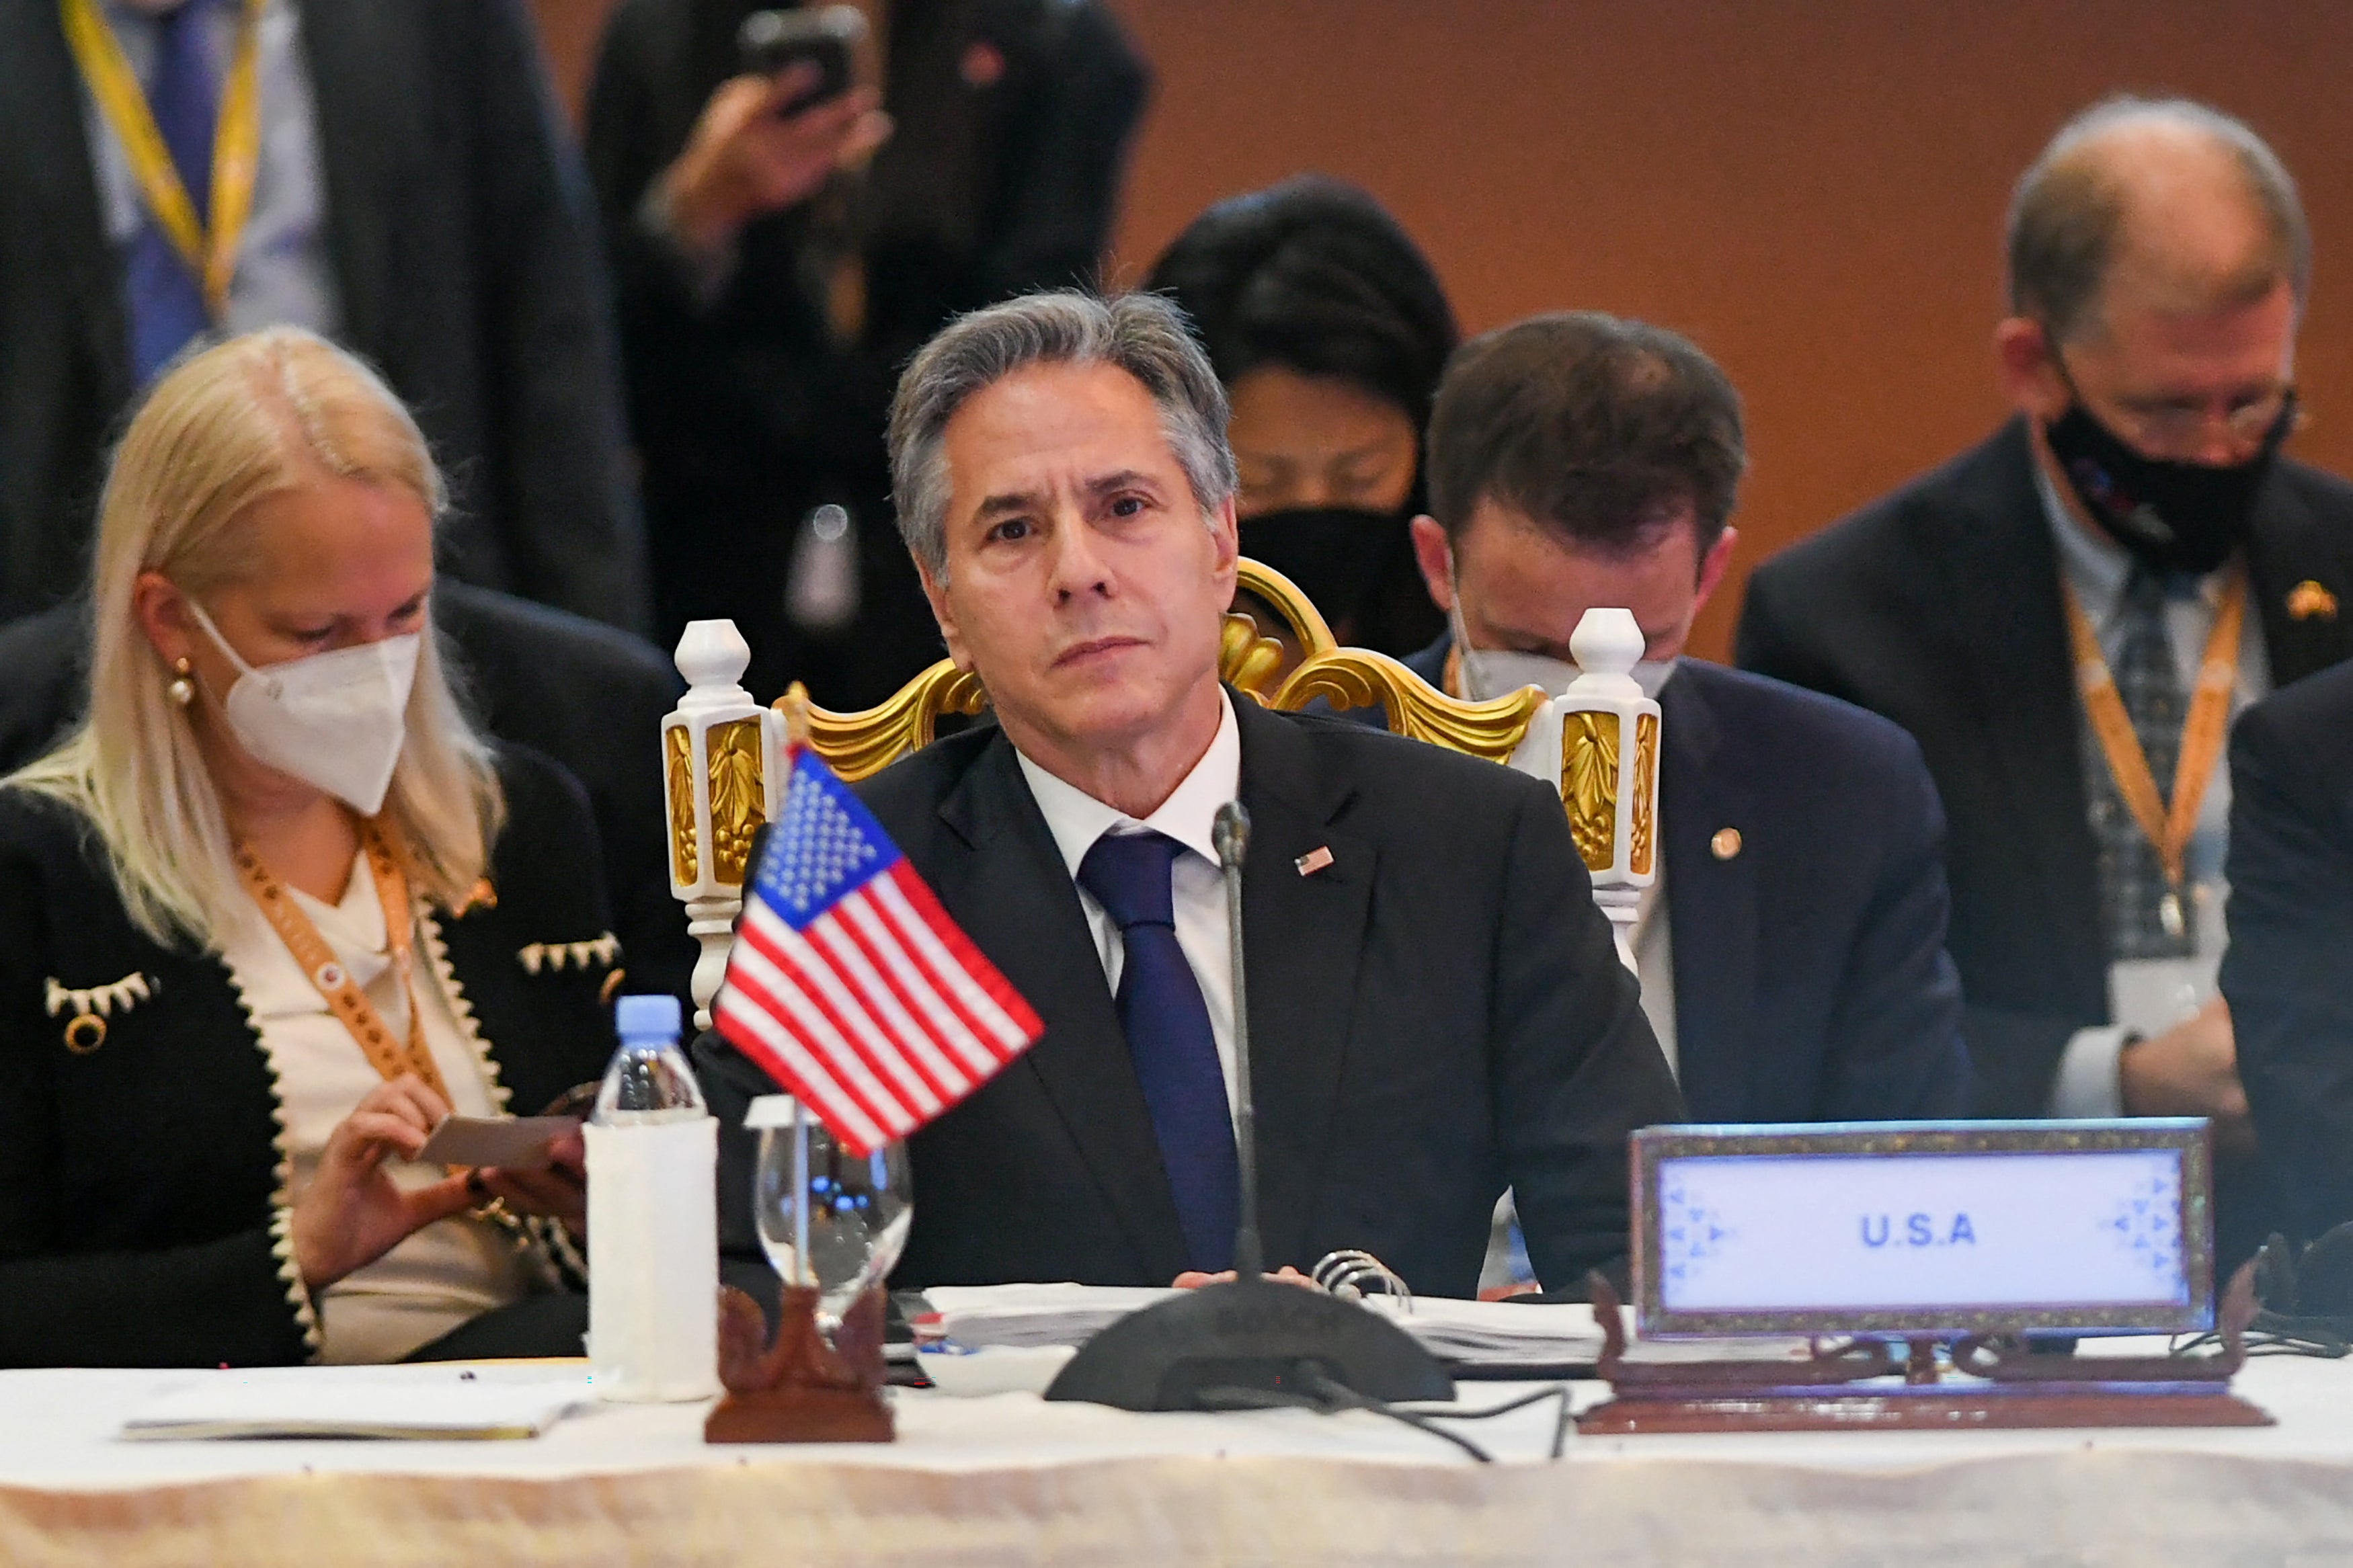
<point x="799" y="1389"/>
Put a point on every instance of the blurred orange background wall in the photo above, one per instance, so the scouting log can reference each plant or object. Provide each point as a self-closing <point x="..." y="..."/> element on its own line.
<point x="1811" y="189"/>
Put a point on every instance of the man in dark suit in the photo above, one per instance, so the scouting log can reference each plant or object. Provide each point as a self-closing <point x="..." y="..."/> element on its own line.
<point x="588" y="696"/>
<point x="775" y="269"/>
<point x="2039" y="613"/>
<point x="2291" y="921"/>
<point x="1436" y="1009"/>
<point x="412" y="200"/>
<point x="1792" y="951"/>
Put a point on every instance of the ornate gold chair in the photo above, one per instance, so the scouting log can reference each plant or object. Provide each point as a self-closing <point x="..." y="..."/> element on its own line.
<point x="721" y="748"/>
<point x="857" y="745"/>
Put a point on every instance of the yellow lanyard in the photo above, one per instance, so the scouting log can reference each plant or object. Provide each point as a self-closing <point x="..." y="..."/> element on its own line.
<point x="334" y="982"/>
<point x="237" y="143"/>
<point x="2203" y="731"/>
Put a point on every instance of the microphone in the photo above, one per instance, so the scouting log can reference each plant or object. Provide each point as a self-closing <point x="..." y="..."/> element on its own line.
<point x="1230" y="836"/>
<point x="1251" y="1341"/>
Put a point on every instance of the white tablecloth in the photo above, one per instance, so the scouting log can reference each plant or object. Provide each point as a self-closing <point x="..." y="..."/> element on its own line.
<point x="1009" y="1478"/>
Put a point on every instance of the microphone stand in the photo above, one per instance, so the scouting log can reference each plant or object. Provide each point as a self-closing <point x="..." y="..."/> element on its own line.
<point x="1230" y="835"/>
<point x="1249" y="1341"/>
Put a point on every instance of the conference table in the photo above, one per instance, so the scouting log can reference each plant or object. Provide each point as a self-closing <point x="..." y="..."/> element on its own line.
<point x="1010" y="1479"/>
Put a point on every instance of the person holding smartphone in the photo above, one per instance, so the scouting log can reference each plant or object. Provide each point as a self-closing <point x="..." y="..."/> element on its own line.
<point x="259" y="920"/>
<point x="784" y="238"/>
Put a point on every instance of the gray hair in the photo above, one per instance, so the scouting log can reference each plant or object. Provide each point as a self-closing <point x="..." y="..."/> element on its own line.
<point x="1141" y="335"/>
<point x="2067" y="214"/>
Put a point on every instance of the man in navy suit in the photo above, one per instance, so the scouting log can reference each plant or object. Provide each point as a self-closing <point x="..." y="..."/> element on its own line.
<point x="1792" y="955"/>
<point x="2291" y="921"/>
<point x="1437" y="1006"/>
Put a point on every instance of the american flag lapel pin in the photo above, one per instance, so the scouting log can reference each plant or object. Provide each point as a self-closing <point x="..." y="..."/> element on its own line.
<point x="1314" y="860"/>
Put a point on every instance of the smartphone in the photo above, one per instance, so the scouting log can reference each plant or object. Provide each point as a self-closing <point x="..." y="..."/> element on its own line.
<point x="771" y="42"/>
<point x="519" y="1142"/>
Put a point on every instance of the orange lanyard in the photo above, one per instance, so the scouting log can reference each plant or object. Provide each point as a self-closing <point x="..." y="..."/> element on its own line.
<point x="210" y="252"/>
<point x="2203" y="733"/>
<point x="389" y="1056"/>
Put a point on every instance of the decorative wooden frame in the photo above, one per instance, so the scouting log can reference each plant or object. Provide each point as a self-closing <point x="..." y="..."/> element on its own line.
<point x="2188" y="1138"/>
<point x="861" y="743"/>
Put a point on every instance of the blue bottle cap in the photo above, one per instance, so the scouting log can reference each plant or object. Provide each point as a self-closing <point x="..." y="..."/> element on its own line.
<point x="636" y="1017"/>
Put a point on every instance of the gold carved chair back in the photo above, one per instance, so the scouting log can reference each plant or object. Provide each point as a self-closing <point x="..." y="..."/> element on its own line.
<point x="857" y="744"/>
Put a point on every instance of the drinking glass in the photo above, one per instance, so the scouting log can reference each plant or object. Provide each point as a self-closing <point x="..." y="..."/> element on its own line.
<point x="858" y="1206"/>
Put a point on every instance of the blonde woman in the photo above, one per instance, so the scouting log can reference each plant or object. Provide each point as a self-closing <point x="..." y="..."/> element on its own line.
<point x="274" y="909"/>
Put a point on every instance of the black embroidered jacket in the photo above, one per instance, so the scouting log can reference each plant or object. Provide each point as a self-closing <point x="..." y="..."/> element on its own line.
<point x="142" y="1203"/>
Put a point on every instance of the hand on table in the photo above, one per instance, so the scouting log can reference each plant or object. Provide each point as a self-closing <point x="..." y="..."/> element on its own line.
<point x="1193" y="1279"/>
<point x="353" y="1213"/>
<point x="2192" y="1070"/>
<point x="743" y="159"/>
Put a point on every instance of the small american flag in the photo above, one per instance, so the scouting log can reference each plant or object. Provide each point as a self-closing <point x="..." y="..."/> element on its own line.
<point x="849" y="984"/>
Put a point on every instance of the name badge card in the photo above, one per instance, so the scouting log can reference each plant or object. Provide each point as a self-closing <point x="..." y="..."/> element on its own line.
<point x="1924" y="1228"/>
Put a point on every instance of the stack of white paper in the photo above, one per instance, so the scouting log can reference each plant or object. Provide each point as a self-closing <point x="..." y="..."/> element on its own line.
<point x="1468" y="1333"/>
<point x="278" y="1404"/>
<point x="1492" y="1335"/>
<point x="1026" y="1316"/>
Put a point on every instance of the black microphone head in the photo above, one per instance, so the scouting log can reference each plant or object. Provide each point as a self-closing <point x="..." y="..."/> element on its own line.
<point x="1230" y="834"/>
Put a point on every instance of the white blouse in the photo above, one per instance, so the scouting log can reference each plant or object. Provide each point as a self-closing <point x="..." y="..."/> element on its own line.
<point x="449" y="1271"/>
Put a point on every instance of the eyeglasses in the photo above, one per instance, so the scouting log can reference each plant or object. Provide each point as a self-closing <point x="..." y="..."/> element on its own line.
<point x="2177" y="427"/>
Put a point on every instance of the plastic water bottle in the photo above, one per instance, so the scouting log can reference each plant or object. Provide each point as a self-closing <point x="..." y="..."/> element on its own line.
<point x="648" y="1082"/>
<point x="653" y="1223"/>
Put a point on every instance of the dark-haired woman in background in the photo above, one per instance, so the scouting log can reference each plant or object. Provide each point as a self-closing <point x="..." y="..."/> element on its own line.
<point x="1329" y="329"/>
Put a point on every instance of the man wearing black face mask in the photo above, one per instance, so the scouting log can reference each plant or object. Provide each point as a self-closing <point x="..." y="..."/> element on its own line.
<point x="2068" y="616"/>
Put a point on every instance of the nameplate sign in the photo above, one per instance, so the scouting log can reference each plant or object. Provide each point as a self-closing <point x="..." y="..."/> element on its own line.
<point x="1924" y="1228"/>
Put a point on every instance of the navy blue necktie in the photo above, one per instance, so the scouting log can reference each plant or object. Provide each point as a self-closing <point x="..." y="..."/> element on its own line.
<point x="168" y="301"/>
<point x="1169" y="1039"/>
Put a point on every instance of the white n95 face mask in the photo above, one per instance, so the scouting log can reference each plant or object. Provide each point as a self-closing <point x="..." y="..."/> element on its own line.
<point x="1497" y="672"/>
<point x="334" y="720"/>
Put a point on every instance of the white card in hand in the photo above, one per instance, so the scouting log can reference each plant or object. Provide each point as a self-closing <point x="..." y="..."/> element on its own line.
<point x="519" y="1142"/>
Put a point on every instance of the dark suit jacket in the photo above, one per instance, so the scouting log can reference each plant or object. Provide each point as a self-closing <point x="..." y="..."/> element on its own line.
<point x="1939" y="606"/>
<point x="139" y="1185"/>
<point x="1437" y="1014"/>
<point x="2285" y="975"/>
<point x="747" y="411"/>
<point x="587" y="696"/>
<point x="1811" y="982"/>
<point x="461" y="243"/>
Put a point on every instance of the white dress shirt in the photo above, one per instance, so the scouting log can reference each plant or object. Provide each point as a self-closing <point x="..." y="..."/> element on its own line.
<point x="1654" y="965"/>
<point x="1197" y="889"/>
<point x="452" y="1270"/>
<point x="2149" y="996"/>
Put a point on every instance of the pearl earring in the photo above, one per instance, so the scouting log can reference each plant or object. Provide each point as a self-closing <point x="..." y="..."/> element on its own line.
<point x="183" y="689"/>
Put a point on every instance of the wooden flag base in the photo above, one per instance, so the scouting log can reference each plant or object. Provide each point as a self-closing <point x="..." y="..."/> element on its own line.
<point x="800" y="1389"/>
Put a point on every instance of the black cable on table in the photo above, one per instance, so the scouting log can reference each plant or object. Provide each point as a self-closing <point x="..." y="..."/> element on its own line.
<point x="1327" y="1395"/>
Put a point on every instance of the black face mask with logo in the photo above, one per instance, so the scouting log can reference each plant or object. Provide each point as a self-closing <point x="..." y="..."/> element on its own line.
<point x="1333" y="553"/>
<point x="2173" y="516"/>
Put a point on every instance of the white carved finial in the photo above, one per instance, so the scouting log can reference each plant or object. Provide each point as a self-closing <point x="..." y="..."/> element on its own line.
<point x="716" y="726"/>
<point x="1607" y="645"/>
<point x="714" y="656"/>
<point x="1597" y="743"/>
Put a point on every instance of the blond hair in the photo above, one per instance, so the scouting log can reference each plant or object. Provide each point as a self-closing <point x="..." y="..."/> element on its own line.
<point x="258" y="415"/>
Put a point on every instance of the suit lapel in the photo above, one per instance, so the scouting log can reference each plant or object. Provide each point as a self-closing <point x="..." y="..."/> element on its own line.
<point x="2010" y="635"/>
<point x="44" y="143"/>
<point x="1304" y="936"/>
<point x="367" y="93"/>
<point x="1010" y="891"/>
<point x="1712" y="910"/>
<point x="2287" y="547"/>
